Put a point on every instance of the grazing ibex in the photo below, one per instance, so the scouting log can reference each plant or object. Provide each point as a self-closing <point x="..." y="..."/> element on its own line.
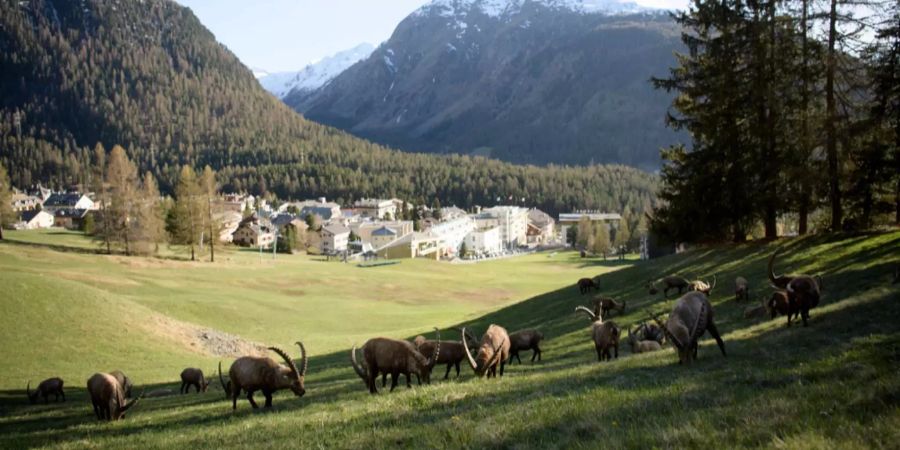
<point x="255" y="373"/>
<point x="108" y="397"/>
<point x="639" y="345"/>
<point x="603" y="305"/>
<point x="670" y="282"/>
<point x="586" y="284"/>
<point x="48" y="387"/>
<point x="492" y="352"/>
<point x="604" y="334"/>
<point x="525" y="340"/>
<point x="703" y="286"/>
<point x="741" y="289"/>
<point x="452" y="353"/>
<point x="691" y="316"/>
<point x="193" y="377"/>
<point x="124" y="381"/>
<point x="781" y="303"/>
<point x="396" y="357"/>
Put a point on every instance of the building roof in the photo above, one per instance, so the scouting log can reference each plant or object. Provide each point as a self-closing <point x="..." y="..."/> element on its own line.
<point x="539" y="218"/>
<point x="63" y="199"/>
<point x="27" y="216"/>
<point x="384" y="231"/>
<point x="372" y="203"/>
<point x="336" y="229"/>
<point x="71" y="212"/>
<point x="592" y="216"/>
<point x="325" y="212"/>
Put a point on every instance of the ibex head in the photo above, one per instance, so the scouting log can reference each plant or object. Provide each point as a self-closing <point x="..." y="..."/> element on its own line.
<point x="485" y="360"/>
<point x="290" y="377"/>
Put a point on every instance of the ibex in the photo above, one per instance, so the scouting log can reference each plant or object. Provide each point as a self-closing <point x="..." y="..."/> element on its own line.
<point x="255" y="373"/>
<point x="604" y="334"/>
<point x="741" y="289"/>
<point x="781" y="303"/>
<point x="651" y="332"/>
<point x="639" y="345"/>
<point x="703" y="286"/>
<point x="805" y="290"/>
<point x="48" y="387"/>
<point x="492" y="352"/>
<point x="691" y="316"/>
<point x="193" y="377"/>
<point x="124" y="381"/>
<point x="452" y="353"/>
<point x="525" y="340"/>
<point x="586" y="284"/>
<point x="670" y="282"/>
<point x="108" y="397"/>
<point x="394" y="356"/>
<point x="603" y="305"/>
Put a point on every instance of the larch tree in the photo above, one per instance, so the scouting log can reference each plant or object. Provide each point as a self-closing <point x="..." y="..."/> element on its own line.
<point x="6" y="213"/>
<point x="189" y="214"/>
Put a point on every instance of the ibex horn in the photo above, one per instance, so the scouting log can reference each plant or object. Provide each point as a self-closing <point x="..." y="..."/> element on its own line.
<point x="468" y="353"/>
<point x="359" y="370"/>
<point x="437" y="348"/>
<point x="287" y="359"/>
<point x="304" y="360"/>
<point x="586" y="311"/>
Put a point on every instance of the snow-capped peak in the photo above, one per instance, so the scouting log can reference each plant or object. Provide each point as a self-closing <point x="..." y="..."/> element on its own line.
<point x="497" y="8"/>
<point x="314" y="75"/>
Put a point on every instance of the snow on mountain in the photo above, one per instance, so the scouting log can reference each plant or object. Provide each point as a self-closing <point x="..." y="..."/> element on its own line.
<point x="314" y="75"/>
<point x="497" y="8"/>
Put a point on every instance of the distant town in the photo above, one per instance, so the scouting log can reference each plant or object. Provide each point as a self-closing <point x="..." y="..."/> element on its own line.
<point x="367" y="229"/>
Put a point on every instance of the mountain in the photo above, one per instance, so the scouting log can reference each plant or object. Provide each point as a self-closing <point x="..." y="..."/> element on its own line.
<point x="546" y="81"/>
<point x="148" y="76"/>
<point x="314" y="75"/>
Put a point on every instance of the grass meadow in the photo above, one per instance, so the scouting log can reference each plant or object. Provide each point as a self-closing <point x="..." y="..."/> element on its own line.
<point x="69" y="312"/>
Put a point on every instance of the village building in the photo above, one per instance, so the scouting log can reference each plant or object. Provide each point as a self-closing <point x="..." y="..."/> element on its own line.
<point x="567" y="220"/>
<point x="70" y="200"/>
<point x="382" y="237"/>
<point x="335" y="239"/>
<point x="376" y="208"/>
<point x="364" y="229"/>
<point x="22" y="201"/>
<point x="413" y="245"/>
<point x="69" y="218"/>
<point x="230" y="221"/>
<point x="484" y="242"/>
<point x="452" y="233"/>
<point x="512" y="221"/>
<point x="452" y="212"/>
<point x="254" y="233"/>
<point x="35" y="219"/>
<point x="541" y="228"/>
<point x="323" y="209"/>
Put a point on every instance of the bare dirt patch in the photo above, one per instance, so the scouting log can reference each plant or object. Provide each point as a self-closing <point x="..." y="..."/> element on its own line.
<point x="202" y="340"/>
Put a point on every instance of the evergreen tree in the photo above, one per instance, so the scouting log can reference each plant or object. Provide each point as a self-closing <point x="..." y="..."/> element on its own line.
<point x="119" y="202"/>
<point x="287" y="240"/>
<point x="6" y="213"/>
<point x="601" y="240"/>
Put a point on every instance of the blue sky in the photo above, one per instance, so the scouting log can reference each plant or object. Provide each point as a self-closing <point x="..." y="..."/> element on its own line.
<point x="285" y="35"/>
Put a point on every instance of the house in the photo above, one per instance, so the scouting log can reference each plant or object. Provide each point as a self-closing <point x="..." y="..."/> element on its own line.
<point x="484" y="241"/>
<point x="512" y="220"/>
<point x="230" y="221"/>
<point x="69" y="218"/>
<point x="69" y="200"/>
<point x="541" y="228"/>
<point x="383" y="236"/>
<point x="254" y="233"/>
<point x="325" y="210"/>
<point x="376" y="208"/>
<point x="413" y="245"/>
<point x="334" y="239"/>
<point x="22" y="201"/>
<point x="35" y="219"/>
<point x="452" y="233"/>
<point x="365" y="229"/>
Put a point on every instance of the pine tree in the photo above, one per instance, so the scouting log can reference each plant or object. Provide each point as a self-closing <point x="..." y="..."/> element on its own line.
<point x="6" y="213"/>
<point x="189" y="211"/>
<point x="120" y="201"/>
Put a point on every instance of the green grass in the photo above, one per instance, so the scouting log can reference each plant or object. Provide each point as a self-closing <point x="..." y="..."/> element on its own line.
<point x="834" y="384"/>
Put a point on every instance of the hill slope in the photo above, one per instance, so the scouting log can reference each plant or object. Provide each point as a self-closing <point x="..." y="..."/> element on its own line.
<point x="833" y="384"/>
<point x="533" y="82"/>
<point x="148" y="75"/>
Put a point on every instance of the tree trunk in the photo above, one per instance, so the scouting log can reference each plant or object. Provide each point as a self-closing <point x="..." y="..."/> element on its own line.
<point x="212" y="238"/>
<point x="803" y="212"/>
<point x="834" y="188"/>
<point x="803" y="207"/>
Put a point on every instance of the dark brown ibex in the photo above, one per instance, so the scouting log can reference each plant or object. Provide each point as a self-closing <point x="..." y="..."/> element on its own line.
<point x="48" y="387"/>
<point x="396" y="357"/>
<point x="781" y="303"/>
<point x="691" y="316"/>
<point x="670" y="282"/>
<point x="108" y="397"/>
<point x="492" y="352"/>
<point x="193" y="377"/>
<point x="586" y="284"/>
<point x="741" y="289"/>
<point x="639" y="345"/>
<point x="603" y="305"/>
<point x="124" y="381"/>
<point x="452" y="353"/>
<point x="604" y="334"/>
<point x="525" y="340"/>
<point x="703" y="286"/>
<point x="804" y="290"/>
<point x="255" y="373"/>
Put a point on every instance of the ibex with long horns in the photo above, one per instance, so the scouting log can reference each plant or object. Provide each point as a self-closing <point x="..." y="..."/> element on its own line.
<point x="48" y="387"/>
<point x="703" y="286"/>
<point x="691" y="316"/>
<point x="452" y="353"/>
<point x="254" y="373"/>
<point x="804" y="290"/>
<point x="396" y="357"/>
<point x="604" y="334"/>
<point x="492" y="353"/>
<point x="603" y="305"/>
<point x="108" y="397"/>
<point x="670" y="282"/>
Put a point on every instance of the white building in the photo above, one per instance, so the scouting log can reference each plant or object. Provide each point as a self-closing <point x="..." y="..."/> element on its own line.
<point x="67" y="201"/>
<point x="383" y="236"/>
<point x="335" y="238"/>
<point x="452" y="233"/>
<point x="376" y="208"/>
<point x="512" y="221"/>
<point x="365" y="229"/>
<point x="35" y="219"/>
<point x="484" y="242"/>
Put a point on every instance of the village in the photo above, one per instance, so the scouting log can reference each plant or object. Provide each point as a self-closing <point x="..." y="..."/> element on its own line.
<point x="368" y="229"/>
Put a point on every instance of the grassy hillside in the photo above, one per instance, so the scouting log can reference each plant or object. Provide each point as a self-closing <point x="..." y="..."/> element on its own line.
<point x="833" y="384"/>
